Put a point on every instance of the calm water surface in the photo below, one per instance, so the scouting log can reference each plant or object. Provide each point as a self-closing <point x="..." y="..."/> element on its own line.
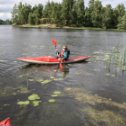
<point x="19" y="80"/>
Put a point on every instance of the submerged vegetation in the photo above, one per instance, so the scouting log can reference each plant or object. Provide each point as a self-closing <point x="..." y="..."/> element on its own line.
<point x="97" y="110"/>
<point x="72" y="13"/>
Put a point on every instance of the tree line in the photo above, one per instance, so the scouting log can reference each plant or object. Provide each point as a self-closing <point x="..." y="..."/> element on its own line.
<point x="4" y="22"/>
<point x="71" y="13"/>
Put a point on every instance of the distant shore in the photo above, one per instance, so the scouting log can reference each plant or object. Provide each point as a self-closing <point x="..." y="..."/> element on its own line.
<point x="54" y="26"/>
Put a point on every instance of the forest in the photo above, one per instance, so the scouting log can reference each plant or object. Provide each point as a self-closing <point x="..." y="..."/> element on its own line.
<point x="71" y="13"/>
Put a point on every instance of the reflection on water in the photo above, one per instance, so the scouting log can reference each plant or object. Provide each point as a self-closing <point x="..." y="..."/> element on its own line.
<point x="38" y="71"/>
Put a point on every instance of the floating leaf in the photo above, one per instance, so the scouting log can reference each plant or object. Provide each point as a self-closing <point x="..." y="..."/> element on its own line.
<point x="51" y="100"/>
<point x="54" y="95"/>
<point x="34" y="97"/>
<point x="23" y="103"/>
<point x="46" y="81"/>
<point x="57" y="92"/>
<point x="36" y="103"/>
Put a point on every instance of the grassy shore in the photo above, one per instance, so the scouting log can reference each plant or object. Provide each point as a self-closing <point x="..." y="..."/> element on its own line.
<point x="54" y="26"/>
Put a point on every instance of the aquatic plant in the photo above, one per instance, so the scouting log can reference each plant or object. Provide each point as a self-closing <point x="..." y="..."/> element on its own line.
<point x="51" y="100"/>
<point x="96" y="110"/>
<point x="33" y="99"/>
<point x="35" y="103"/>
<point x="56" y="93"/>
<point x="115" y="57"/>
<point x="23" y="103"/>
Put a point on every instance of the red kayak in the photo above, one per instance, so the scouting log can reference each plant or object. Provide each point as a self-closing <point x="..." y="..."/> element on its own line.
<point x="52" y="60"/>
<point x="6" y="122"/>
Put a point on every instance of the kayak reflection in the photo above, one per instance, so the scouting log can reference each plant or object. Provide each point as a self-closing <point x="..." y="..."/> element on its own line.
<point x="45" y="72"/>
<point x="64" y="70"/>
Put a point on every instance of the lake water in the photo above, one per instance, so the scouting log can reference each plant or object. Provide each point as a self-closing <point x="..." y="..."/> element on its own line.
<point x="87" y="94"/>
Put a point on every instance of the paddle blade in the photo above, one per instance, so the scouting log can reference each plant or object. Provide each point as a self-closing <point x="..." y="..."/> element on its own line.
<point x="6" y="122"/>
<point x="54" y="42"/>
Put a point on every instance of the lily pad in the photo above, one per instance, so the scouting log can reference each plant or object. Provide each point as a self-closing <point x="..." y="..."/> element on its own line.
<point x="36" y="103"/>
<point x="23" y="103"/>
<point x="33" y="97"/>
<point x="51" y="100"/>
<point x="57" y="92"/>
<point x="46" y="81"/>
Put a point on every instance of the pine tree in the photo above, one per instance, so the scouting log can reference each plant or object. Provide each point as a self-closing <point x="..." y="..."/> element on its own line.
<point x="80" y="12"/>
<point x="122" y="24"/>
<point x="67" y="11"/>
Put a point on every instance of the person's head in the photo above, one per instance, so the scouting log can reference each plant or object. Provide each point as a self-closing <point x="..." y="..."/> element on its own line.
<point x="64" y="47"/>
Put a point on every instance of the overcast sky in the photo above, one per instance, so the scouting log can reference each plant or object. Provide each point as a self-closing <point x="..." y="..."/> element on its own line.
<point x="7" y="5"/>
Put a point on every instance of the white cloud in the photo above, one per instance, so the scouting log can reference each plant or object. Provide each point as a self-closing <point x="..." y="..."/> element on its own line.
<point x="5" y="16"/>
<point x="114" y="3"/>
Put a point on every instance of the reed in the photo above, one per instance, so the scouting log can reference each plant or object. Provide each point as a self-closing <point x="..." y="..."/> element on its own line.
<point x="115" y="57"/>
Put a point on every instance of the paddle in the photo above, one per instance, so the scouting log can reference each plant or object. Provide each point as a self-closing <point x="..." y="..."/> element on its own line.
<point x="54" y="42"/>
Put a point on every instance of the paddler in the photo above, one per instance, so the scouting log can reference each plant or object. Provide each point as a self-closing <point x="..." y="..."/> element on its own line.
<point x="64" y="54"/>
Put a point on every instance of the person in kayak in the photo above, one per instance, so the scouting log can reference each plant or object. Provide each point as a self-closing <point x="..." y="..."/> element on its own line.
<point x="64" y="54"/>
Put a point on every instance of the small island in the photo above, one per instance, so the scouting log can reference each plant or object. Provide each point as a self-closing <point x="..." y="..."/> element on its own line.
<point x="70" y="14"/>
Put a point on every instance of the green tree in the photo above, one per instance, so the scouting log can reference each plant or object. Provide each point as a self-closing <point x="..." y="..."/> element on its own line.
<point x="90" y="12"/>
<point x="119" y="13"/>
<point x="88" y="21"/>
<point x="38" y="10"/>
<point x="52" y="12"/>
<point x="47" y="10"/>
<point x="97" y="14"/>
<point x="67" y="12"/>
<point x="107" y="17"/>
<point x="122" y="24"/>
<point x="20" y="13"/>
<point x="79" y="12"/>
<point x="15" y="14"/>
<point x="31" y="19"/>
